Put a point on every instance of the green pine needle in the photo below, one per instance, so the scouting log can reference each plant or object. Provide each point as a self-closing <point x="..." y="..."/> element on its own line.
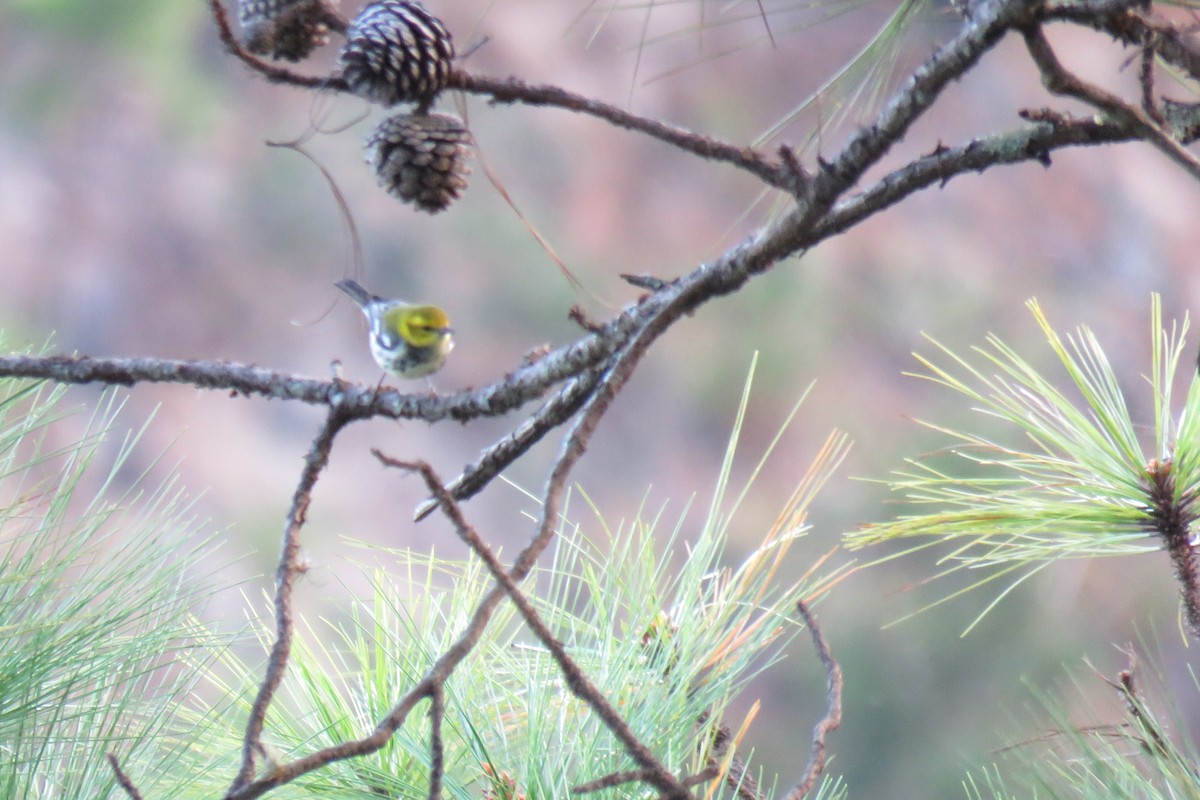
<point x="1060" y="474"/>
<point x="1099" y="747"/>
<point x="97" y="586"/>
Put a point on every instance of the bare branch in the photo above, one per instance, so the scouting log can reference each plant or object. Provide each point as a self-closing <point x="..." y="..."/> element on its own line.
<point x="1057" y="79"/>
<point x="1133" y="27"/>
<point x="504" y="452"/>
<point x="833" y="716"/>
<point x="437" y="750"/>
<point x="514" y="90"/>
<point x="577" y="680"/>
<point x="285" y="773"/>
<point x="522" y="385"/>
<point x="614" y="779"/>
<point x="123" y="779"/>
<point x="736" y="777"/>
<point x="990" y="20"/>
<point x="1051" y="131"/>
<point x="285" y="576"/>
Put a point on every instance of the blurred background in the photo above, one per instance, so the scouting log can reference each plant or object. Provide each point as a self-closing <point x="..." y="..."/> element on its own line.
<point x="142" y="214"/>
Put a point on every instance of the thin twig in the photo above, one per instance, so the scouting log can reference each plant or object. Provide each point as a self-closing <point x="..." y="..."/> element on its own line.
<point x="1058" y="80"/>
<point x="736" y="778"/>
<point x="1146" y="80"/>
<point x="285" y="576"/>
<point x="613" y="780"/>
<point x="833" y="715"/>
<point x="576" y="679"/>
<point x="514" y="90"/>
<point x="285" y="773"/>
<point x="1170" y="41"/>
<point x="122" y="778"/>
<point x="453" y="656"/>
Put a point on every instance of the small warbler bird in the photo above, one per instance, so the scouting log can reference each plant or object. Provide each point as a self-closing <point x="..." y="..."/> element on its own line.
<point x="408" y="341"/>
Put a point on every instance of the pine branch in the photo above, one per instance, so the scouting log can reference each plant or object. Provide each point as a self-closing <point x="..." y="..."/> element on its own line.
<point x="1059" y="80"/>
<point x="515" y="90"/>
<point x="833" y="716"/>
<point x="289" y="568"/>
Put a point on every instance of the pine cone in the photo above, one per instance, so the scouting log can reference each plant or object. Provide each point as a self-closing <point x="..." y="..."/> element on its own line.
<point x="288" y="29"/>
<point x="397" y="52"/>
<point x="420" y="158"/>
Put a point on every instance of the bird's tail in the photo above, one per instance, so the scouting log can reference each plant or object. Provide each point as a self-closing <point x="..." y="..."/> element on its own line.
<point x="357" y="293"/>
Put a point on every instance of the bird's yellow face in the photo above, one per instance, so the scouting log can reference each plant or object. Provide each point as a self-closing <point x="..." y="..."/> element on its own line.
<point x="420" y="326"/>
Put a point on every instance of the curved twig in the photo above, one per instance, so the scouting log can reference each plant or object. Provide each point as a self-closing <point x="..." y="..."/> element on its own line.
<point x="833" y="715"/>
<point x="285" y="577"/>
<point x="1133" y="27"/>
<point x="1059" y="80"/>
<point x="514" y="90"/>
<point x="990" y="21"/>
